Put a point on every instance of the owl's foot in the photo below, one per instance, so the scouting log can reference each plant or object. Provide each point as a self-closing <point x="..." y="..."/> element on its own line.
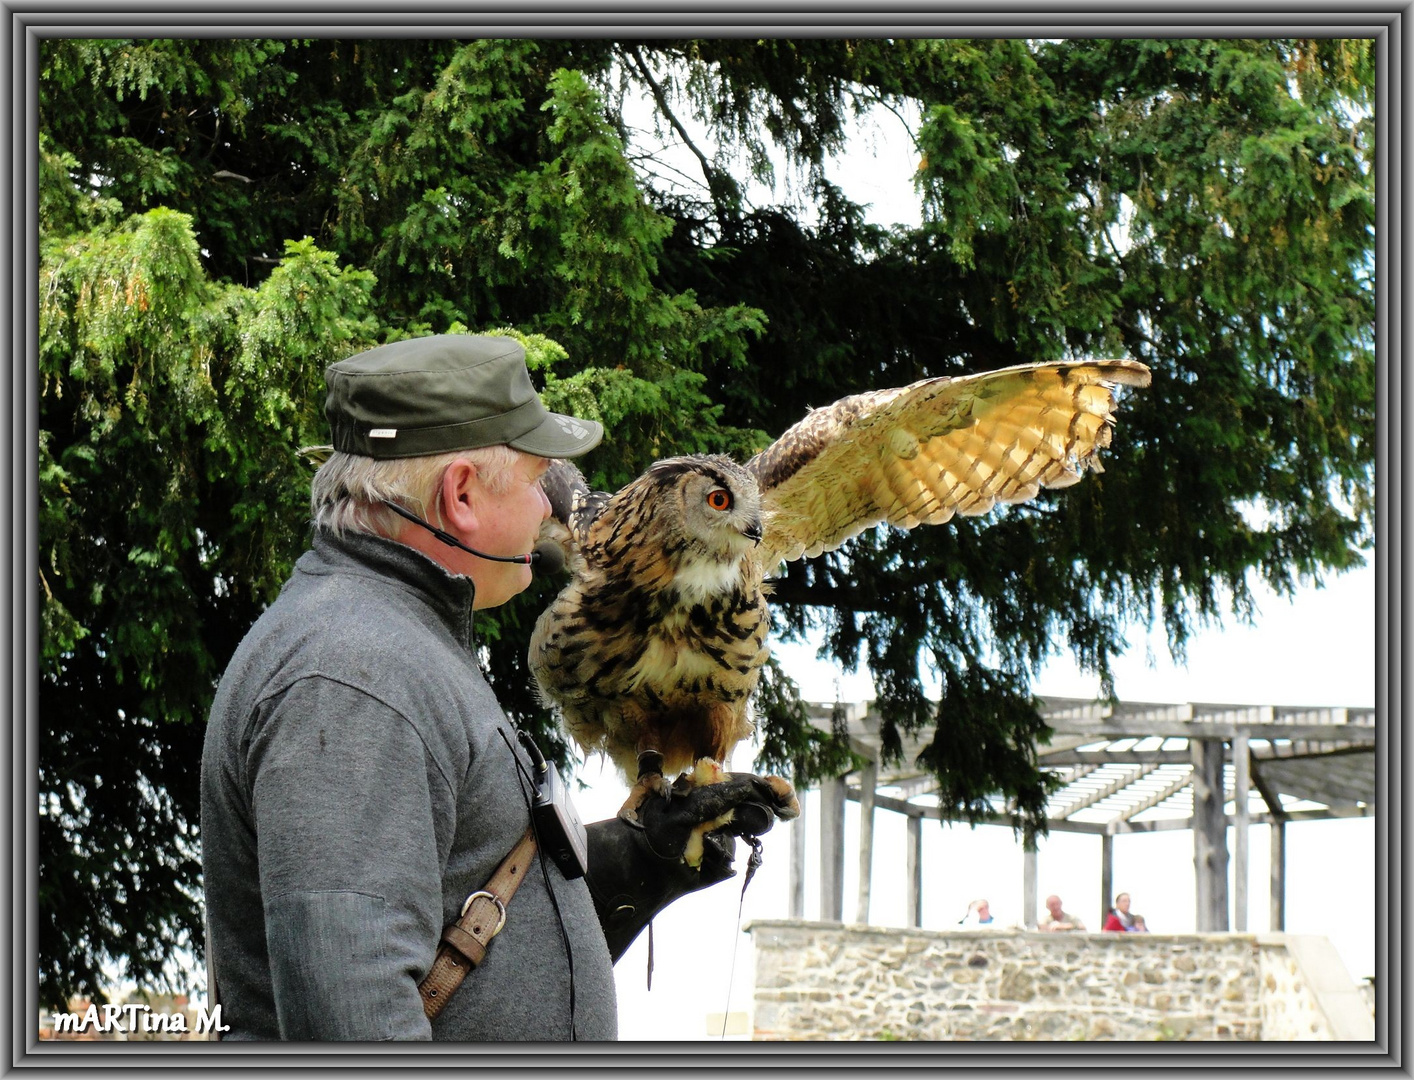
<point x="748" y="818"/>
<point x="781" y="799"/>
<point x="650" y="782"/>
<point x="706" y="771"/>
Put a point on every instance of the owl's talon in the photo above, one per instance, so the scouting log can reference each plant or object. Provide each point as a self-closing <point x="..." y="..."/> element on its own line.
<point x="650" y="782"/>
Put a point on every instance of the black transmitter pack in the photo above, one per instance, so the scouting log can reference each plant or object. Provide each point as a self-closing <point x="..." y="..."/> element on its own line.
<point x="558" y="830"/>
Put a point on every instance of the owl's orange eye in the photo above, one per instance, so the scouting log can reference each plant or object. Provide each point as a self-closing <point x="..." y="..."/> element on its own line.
<point x="719" y="499"/>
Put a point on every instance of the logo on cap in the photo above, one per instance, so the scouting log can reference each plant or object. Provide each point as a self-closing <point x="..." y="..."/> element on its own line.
<point x="571" y="426"/>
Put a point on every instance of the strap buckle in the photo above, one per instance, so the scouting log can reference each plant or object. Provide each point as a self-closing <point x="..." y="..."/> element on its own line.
<point x="500" y="906"/>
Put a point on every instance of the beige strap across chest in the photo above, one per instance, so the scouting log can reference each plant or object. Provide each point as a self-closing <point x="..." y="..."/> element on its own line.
<point x="464" y="942"/>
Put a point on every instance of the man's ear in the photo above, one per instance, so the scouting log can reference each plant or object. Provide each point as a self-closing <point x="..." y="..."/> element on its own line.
<point x="457" y="496"/>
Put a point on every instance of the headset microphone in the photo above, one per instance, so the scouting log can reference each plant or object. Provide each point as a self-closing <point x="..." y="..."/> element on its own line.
<point x="547" y="558"/>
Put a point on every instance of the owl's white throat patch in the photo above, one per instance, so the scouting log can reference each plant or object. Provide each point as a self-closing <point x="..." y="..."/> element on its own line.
<point x="699" y="580"/>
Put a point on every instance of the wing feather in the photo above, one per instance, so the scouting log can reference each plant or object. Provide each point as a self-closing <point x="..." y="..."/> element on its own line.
<point x="573" y="508"/>
<point x="919" y="454"/>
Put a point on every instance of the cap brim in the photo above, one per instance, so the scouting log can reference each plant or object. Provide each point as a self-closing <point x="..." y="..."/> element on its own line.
<point x="560" y="436"/>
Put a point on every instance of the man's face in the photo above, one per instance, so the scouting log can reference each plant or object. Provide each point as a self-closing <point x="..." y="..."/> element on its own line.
<point x="1054" y="904"/>
<point x="507" y="524"/>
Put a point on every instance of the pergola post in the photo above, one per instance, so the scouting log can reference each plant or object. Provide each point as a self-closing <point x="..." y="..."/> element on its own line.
<point x="914" y="870"/>
<point x="1278" y="851"/>
<point x="868" y="781"/>
<point x="1241" y="766"/>
<point x="797" y="864"/>
<point x="1209" y="835"/>
<point x="832" y="798"/>
<point x="1278" y="876"/>
<point x="1107" y="875"/>
<point x="1029" y="898"/>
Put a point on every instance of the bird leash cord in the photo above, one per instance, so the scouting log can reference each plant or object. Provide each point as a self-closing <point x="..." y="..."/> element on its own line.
<point x="753" y="863"/>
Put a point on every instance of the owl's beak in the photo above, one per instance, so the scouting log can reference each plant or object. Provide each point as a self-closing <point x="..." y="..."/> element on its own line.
<point x="753" y="531"/>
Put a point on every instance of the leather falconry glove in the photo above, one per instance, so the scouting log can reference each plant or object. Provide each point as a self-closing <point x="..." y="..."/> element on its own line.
<point x="635" y="871"/>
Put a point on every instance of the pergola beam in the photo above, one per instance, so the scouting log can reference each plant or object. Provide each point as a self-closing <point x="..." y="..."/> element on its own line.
<point x="1302" y="748"/>
<point x="1096" y="759"/>
<point x="1122" y="825"/>
<point x="1117" y="828"/>
<point x="1126" y="728"/>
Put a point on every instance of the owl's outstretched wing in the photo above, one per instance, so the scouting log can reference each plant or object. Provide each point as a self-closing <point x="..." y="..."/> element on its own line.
<point x="573" y="507"/>
<point x="918" y="454"/>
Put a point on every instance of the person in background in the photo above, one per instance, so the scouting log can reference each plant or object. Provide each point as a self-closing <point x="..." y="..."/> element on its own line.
<point x="1119" y="917"/>
<point x="978" y="917"/>
<point x="1057" y="919"/>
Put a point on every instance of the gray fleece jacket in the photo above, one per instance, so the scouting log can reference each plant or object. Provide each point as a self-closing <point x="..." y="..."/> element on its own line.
<point x="354" y="791"/>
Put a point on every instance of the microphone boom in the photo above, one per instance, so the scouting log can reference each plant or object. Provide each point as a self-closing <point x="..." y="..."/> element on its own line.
<point x="547" y="558"/>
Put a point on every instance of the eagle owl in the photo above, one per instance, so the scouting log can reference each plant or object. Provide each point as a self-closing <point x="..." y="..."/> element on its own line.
<point x="656" y="643"/>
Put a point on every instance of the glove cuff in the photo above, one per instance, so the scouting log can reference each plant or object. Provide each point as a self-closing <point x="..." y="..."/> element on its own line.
<point x="630" y="883"/>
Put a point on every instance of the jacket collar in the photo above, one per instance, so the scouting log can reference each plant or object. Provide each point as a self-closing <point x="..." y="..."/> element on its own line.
<point x="449" y="595"/>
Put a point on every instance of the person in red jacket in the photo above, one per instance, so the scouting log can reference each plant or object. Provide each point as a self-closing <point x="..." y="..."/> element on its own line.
<point x="1119" y="917"/>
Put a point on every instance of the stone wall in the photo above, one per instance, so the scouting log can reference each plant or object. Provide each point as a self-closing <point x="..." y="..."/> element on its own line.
<point x="1287" y="1012"/>
<point x="1308" y="994"/>
<point x="825" y="981"/>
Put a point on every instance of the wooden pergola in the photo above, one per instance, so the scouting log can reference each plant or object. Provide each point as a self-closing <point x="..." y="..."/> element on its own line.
<point x="1131" y="768"/>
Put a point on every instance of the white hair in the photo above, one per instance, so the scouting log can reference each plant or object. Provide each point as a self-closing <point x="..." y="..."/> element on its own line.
<point x="349" y="490"/>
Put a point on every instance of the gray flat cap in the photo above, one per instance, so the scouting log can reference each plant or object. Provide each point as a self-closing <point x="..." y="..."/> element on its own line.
<point x="431" y="395"/>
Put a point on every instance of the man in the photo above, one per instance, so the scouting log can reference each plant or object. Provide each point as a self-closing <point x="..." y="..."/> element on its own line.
<point x="1056" y="919"/>
<point x="978" y="917"/>
<point x="360" y="781"/>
